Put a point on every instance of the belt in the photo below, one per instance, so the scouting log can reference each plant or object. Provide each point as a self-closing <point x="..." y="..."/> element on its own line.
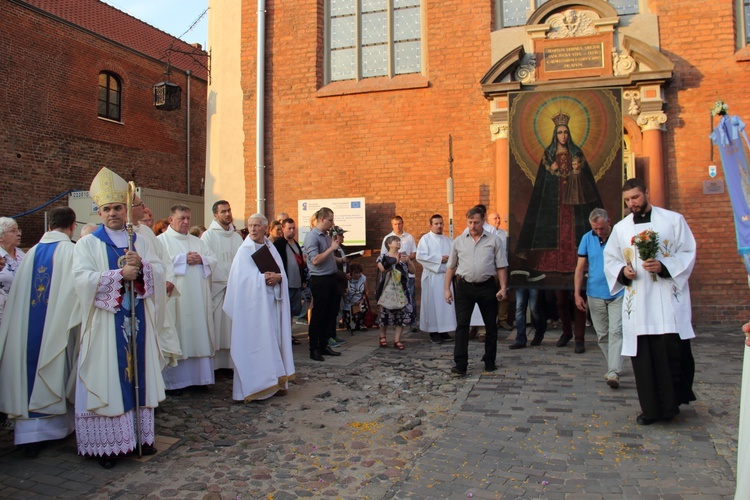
<point x="464" y="282"/>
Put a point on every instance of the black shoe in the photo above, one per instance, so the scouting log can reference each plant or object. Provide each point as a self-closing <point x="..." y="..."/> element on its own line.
<point x="536" y="341"/>
<point x="641" y="420"/>
<point x="490" y="368"/>
<point x="517" y="345"/>
<point x="107" y="462"/>
<point x="295" y="341"/>
<point x="563" y="340"/>
<point x="331" y="352"/>
<point x="580" y="349"/>
<point x="445" y="337"/>
<point x="315" y="355"/>
<point x="414" y="329"/>
<point x="174" y="392"/>
<point x="458" y="372"/>
<point x="435" y="338"/>
<point x="147" y="450"/>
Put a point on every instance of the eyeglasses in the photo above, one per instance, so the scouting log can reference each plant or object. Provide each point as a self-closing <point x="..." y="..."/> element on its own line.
<point x="137" y="204"/>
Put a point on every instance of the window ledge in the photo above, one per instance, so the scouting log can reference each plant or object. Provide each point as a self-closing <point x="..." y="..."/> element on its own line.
<point x="378" y="84"/>
<point x="110" y="120"/>
<point x="743" y="54"/>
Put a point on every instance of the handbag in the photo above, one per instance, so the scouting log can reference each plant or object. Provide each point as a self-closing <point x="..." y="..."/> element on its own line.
<point x="392" y="296"/>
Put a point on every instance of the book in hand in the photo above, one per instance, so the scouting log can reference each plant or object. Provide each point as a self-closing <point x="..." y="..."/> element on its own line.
<point x="265" y="261"/>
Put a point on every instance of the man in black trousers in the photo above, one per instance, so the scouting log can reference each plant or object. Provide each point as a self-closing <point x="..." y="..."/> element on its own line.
<point x="478" y="262"/>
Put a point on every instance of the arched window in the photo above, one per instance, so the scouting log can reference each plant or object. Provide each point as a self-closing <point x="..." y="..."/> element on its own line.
<point x="514" y="12"/>
<point x="110" y="93"/>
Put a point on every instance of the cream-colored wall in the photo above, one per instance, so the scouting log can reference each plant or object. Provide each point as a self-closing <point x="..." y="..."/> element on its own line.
<point x="225" y="167"/>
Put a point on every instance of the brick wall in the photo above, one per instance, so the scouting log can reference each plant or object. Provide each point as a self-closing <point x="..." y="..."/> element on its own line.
<point x="391" y="146"/>
<point x="698" y="36"/>
<point x="51" y="139"/>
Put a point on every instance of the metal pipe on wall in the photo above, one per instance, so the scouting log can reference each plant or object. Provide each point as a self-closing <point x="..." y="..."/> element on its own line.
<point x="260" y="167"/>
<point x="188" y="73"/>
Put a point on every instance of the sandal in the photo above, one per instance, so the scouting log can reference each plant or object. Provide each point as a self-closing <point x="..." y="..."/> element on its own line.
<point x="399" y="345"/>
<point x="383" y="342"/>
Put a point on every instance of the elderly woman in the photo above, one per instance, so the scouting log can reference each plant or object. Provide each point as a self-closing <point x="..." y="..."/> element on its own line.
<point x="10" y="238"/>
<point x="397" y="266"/>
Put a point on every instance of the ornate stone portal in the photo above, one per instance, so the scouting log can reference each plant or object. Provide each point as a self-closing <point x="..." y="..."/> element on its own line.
<point x="575" y="45"/>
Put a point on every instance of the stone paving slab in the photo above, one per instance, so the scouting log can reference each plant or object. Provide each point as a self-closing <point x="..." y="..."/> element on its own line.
<point x="381" y="423"/>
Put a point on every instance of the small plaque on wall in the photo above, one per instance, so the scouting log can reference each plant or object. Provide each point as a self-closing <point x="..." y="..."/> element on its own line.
<point x="713" y="187"/>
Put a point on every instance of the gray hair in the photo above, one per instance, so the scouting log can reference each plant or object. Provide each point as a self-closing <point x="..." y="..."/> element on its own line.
<point x="6" y="224"/>
<point x="260" y="217"/>
<point x="598" y="213"/>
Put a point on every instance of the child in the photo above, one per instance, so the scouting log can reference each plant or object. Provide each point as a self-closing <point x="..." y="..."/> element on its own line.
<point x="355" y="306"/>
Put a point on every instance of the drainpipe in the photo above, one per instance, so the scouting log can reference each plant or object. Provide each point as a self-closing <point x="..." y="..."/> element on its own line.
<point x="187" y="131"/>
<point x="260" y="92"/>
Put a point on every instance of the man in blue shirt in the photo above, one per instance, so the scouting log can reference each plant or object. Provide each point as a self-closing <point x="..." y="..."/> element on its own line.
<point x="606" y="310"/>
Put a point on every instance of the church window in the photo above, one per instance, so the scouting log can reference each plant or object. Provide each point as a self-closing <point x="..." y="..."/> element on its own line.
<point x="514" y="12"/>
<point x="373" y="38"/>
<point x="110" y="93"/>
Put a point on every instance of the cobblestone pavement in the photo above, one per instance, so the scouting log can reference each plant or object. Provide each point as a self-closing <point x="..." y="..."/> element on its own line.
<point x="382" y="423"/>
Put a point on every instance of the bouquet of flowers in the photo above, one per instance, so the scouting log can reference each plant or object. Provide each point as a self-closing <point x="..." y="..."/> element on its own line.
<point x="647" y="244"/>
<point x="720" y="108"/>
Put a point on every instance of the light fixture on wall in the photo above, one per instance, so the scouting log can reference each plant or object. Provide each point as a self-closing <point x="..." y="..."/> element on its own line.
<point x="167" y="95"/>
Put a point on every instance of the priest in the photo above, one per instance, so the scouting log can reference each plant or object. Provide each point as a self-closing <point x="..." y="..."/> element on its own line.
<point x="223" y="240"/>
<point x="437" y="317"/>
<point x="656" y="314"/>
<point x="191" y="310"/>
<point x="38" y="336"/>
<point x="257" y="301"/>
<point x="105" y="402"/>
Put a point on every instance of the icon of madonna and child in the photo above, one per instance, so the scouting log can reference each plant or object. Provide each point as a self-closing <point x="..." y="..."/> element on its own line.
<point x="564" y="192"/>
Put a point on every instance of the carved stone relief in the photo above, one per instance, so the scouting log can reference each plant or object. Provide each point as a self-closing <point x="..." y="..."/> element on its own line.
<point x="526" y="72"/>
<point x="572" y="23"/>
<point x="622" y="63"/>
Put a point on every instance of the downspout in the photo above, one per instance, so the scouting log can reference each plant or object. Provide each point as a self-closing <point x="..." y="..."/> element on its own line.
<point x="187" y="131"/>
<point x="260" y="167"/>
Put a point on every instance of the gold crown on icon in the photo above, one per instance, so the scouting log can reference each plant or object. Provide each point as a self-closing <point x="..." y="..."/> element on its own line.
<point x="561" y="118"/>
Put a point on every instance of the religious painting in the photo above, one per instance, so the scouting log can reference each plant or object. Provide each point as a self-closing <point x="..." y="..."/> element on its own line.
<point x="566" y="159"/>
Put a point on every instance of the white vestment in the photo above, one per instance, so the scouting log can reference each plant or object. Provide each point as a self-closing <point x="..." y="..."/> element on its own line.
<point x="224" y="244"/>
<point x="191" y="311"/>
<point x="168" y="339"/>
<point x="436" y="314"/>
<point x="742" y="490"/>
<point x="103" y="427"/>
<point x="261" y="331"/>
<point x="653" y="307"/>
<point x="57" y="350"/>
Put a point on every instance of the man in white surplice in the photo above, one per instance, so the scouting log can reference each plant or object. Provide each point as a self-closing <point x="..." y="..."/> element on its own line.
<point x="105" y="388"/>
<point x="656" y="313"/>
<point x="258" y="303"/>
<point x="192" y="309"/>
<point x="38" y="338"/>
<point x="169" y="342"/>
<point x="438" y="317"/>
<point x="224" y="242"/>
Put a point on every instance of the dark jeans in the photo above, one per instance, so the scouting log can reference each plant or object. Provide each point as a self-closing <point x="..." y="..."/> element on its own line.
<point x="325" y="311"/>
<point x="483" y="295"/>
<point x="535" y="300"/>
<point x="564" y="304"/>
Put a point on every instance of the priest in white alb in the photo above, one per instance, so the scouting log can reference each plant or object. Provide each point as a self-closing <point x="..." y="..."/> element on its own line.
<point x="224" y="242"/>
<point x="258" y="304"/>
<point x="163" y="286"/>
<point x="191" y="310"/>
<point x="38" y="338"/>
<point x="656" y="313"/>
<point x="108" y="412"/>
<point x="437" y="317"/>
